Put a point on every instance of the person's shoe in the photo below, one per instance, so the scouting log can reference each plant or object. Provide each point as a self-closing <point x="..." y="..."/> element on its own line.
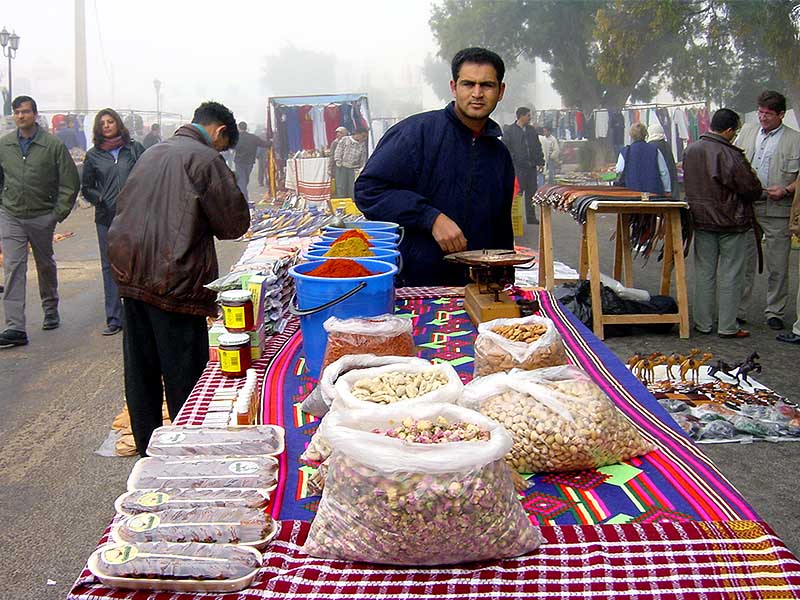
<point x="701" y="332"/>
<point x="111" y="330"/>
<point x="740" y="322"/>
<point x="742" y="333"/>
<point x="11" y="337"/>
<point x="789" y="338"/>
<point x="51" y="322"/>
<point x="775" y="323"/>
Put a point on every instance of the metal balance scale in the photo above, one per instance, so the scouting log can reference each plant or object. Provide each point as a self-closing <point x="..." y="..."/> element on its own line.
<point x="492" y="271"/>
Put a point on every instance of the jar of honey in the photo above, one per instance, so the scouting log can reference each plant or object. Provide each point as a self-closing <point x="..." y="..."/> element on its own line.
<point x="237" y="310"/>
<point x="234" y="354"/>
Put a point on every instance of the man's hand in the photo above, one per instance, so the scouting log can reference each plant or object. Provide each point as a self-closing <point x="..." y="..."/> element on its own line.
<point x="776" y="192"/>
<point x="448" y="235"/>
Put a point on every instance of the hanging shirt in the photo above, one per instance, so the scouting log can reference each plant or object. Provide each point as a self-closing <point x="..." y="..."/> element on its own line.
<point x="601" y="123"/>
<point x="766" y="145"/>
<point x="346" y="113"/>
<point x="332" y="121"/>
<point x="293" y="129"/>
<point x="318" y="121"/>
<point x="306" y="127"/>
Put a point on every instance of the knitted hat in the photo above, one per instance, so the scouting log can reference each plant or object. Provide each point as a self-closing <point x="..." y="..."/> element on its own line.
<point x="655" y="132"/>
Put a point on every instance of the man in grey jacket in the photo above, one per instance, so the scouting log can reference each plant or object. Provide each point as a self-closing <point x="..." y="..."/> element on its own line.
<point x="39" y="184"/>
<point x="774" y="151"/>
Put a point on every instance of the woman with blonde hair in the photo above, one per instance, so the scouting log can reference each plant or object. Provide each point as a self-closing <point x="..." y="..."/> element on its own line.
<point x="105" y="170"/>
<point x="641" y="166"/>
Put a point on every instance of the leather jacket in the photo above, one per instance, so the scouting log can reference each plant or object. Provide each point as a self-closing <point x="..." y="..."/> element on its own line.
<point x="103" y="177"/>
<point x="179" y="196"/>
<point x="720" y="185"/>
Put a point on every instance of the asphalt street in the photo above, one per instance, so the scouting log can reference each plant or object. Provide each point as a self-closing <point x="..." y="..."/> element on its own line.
<point x="59" y="395"/>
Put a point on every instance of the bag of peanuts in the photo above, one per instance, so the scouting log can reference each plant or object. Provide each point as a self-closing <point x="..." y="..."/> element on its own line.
<point x="384" y="335"/>
<point x="319" y="401"/>
<point x="421" y="484"/>
<point x="527" y="343"/>
<point x="398" y="382"/>
<point x="559" y="418"/>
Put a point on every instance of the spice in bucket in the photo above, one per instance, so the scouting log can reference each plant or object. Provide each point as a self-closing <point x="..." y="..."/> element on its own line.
<point x="354" y="234"/>
<point x="340" y="267"/>
<point x="350" y="247"/>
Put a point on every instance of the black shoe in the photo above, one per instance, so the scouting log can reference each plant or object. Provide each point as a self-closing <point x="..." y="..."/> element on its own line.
<point x="742" y="333"/>
<point x="11" y="337"/>
<point x="740" y="322"/>
<point x="789" y="338"/>
<point x="111" y="330"/>
<point x="775" y="323"/>
<point x="701" y="332"/>
<point x="51" y="322"/>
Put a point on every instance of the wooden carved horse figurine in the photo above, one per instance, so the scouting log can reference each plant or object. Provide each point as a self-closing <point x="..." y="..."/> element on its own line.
<point x="749" y="365"/>
<point x="693" y="365"/>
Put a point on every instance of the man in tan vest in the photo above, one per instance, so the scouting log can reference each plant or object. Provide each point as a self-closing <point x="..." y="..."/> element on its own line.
<point x="774" y="151"/>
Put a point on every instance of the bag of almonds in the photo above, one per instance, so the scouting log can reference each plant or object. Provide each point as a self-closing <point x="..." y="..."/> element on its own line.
<point x="384" y="335"/>
<point x="399" y="382"/>
<point x="527" y="343"/>
<point x="559" y="418"/>
<point x="421" y="484"/>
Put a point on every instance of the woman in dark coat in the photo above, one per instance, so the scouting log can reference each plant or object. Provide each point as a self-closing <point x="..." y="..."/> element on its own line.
<point x="105" y="170"/>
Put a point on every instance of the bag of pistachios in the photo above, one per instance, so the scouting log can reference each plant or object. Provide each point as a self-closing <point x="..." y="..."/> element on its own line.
<point x="419" y="484"/>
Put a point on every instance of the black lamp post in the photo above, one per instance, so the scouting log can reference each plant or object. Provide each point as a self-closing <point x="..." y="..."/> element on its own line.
<point x="10" y="44"/>
<point x="157" y="86"/>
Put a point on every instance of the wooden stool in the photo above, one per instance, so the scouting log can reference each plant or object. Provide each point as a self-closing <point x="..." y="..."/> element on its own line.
<point x="589" y="261"/>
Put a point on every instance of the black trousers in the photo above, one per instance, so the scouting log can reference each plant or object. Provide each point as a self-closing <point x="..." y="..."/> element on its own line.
<point x="163" y="352"/>
<point x="528" y="184"/>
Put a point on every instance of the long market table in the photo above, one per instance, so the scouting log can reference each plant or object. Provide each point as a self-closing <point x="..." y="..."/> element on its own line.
<point x="666" y="525"/>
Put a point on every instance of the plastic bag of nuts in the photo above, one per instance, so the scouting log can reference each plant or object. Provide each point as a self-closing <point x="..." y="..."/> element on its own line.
<point x="559" y="418"/>
<point x="527" y="343"/>
<point x="398" y="382"/>
<point x="394" y="501"/>
<point x="384" y="335"/>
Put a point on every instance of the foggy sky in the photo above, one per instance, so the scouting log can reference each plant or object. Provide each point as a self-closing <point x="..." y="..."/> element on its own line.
<point x="203" y="50"/>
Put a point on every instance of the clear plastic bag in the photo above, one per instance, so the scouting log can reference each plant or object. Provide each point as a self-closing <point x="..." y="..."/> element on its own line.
<point x="559" y="418"/>
<point x="388" y="500"/>
<point x="384" y="335"/>
<point x="539" y="345"/>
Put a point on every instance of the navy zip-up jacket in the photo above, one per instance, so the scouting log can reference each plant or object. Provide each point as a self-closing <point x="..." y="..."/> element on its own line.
<point x="431" y="163"/>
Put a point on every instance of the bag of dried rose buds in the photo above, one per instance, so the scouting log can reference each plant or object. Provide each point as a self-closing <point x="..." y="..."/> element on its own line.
<point x="559" y="418"/>
<point x="399" y="382"/>
<point x="384" y="335"/>
<point x="527" y="343"/>
<point x="419" y="484"/>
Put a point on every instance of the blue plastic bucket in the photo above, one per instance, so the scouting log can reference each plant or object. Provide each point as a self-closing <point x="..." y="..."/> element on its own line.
<point x="374" y="236"/>
<point x="367" y="226"/>
<point x="385" y="254"/>
<point x="318" y="298"/>
<point x="327" y="243"/>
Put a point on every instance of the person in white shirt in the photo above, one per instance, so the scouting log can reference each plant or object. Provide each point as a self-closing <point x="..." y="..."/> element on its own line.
<point x="550" y="150"/>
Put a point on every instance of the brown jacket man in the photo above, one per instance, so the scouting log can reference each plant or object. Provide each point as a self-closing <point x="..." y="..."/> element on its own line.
<point x="179" y="196"/>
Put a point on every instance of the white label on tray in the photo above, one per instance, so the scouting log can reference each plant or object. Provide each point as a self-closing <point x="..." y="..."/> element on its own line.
<point x="243" y="467"/>
<point x="120" y="554"/>
<point x="174" y="437"/>
<point x="153" y="499"/>
<point x="144" y="522"/>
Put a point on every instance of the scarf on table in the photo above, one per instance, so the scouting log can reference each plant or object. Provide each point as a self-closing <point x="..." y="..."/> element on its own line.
<point x="110" y="144"/>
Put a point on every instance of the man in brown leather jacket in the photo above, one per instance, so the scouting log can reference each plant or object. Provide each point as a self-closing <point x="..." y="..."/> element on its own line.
<point x="180" y="195"/>
<point x="720" y="189"/>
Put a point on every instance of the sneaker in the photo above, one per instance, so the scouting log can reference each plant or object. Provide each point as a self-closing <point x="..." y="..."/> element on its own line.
<point x="111" y="330"/>
<point x="789" y="338"/>
<point x="775" y="323"/>
<point x="51" y="322"/>
<point x="11" y="337"/>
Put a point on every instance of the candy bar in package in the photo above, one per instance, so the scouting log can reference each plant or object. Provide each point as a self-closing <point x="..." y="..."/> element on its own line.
<point x="171" y="440"/>
<point x="247" y="526"/>
<point x="527" y="343"/>
<point x="144" y="501"/>
<point x="187" y="567"/>
<point x="160" y="472"/>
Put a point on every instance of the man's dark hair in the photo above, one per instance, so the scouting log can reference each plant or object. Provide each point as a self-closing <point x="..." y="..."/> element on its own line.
<point x="361" y="130"/>
<point x="17" y="102"/>
<point x="724" y="119"/>
<point x="242" y="125"/>
<point x="772" y="100"/>
<point x="480" y="56"/>
<point x="522" y="111"/>
<point x="97" y="129"/>
<point x="155" y="127"/>
<point x="214" y="113"/>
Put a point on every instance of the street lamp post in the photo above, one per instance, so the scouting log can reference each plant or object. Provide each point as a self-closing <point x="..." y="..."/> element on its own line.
<point x="157" y="85"/>
<point x="10" y="44"/>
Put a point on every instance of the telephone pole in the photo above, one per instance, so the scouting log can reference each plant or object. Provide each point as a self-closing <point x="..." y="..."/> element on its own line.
<point x="81" y="85"/>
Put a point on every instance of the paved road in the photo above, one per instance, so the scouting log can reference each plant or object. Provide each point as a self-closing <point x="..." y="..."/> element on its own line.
<point x="59" y="395"/>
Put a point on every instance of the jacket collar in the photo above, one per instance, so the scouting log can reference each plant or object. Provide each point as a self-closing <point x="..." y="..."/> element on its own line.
<point x="715" y="137"/>
<point x="192" y="132"/>
<point x="490" y="129"/>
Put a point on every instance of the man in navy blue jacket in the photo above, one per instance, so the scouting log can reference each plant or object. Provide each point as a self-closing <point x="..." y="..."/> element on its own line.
<point x="445" y="176"/>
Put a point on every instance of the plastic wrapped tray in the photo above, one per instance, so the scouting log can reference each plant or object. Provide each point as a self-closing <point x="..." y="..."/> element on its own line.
<point x="241" y="526"/>
<point x="248" y="440"/>
<point x="145" y="501"/>
<point x="161" y="472"/>
<point x="114" y="564"/>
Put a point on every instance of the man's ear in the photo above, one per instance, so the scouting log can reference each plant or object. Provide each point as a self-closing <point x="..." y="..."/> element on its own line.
<point x="453" y="88"/>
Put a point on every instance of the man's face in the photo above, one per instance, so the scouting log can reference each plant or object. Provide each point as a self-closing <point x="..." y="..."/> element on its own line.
<point x="769" y="119"/>
<point x="476" y="91"/>
<point x="361" y="137"/>
<point x="525" y="119"/>
<point x="24" y="116"/>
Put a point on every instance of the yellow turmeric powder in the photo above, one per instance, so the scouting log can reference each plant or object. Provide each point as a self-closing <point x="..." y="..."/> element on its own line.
<point x="350" y="247"/>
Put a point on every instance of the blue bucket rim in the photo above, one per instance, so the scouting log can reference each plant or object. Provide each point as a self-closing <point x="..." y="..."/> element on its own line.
<point x="364" y="224"/>
<point x="378" y="249"/>
<point x="391" y="271"/>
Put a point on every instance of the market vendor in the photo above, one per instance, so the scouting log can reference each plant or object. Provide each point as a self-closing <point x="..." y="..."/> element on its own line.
<point x="445" y="176"/>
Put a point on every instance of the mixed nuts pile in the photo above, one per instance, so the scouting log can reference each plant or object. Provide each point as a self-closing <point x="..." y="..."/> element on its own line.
<point x="436" y="432"/>
<point x="397" y="385"/>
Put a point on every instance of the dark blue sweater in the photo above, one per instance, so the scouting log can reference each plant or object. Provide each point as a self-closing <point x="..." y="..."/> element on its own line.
<point x="429" y="164"/>
<point x="641" y="168"/>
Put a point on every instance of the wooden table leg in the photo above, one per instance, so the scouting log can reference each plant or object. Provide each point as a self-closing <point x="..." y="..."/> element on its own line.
<point x="546" y="270"/>
<point x="674" y="216"/>
<point x="669" y="262"/>
<point x="624" y="233"/>
<point x="594" y="273"/>
<point x="618" y="250"/>
<point x="583" y="256"/>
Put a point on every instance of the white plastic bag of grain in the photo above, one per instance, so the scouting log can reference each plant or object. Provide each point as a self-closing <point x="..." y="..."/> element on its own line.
<point x="525" y="343"/>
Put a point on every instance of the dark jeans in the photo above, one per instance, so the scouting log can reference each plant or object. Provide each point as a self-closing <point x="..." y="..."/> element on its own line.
<point x="345" y="182"/>
<point x="262" y="170"/>
<point x="112" y="301"/>
<point x="159" y="344"/>
<point x="528" y="184"/>
<point x="243" y="177"/>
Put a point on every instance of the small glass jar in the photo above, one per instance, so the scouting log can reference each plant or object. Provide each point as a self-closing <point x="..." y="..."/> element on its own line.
<point x="234" y="354"/>
<point x="237" y="310"/>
